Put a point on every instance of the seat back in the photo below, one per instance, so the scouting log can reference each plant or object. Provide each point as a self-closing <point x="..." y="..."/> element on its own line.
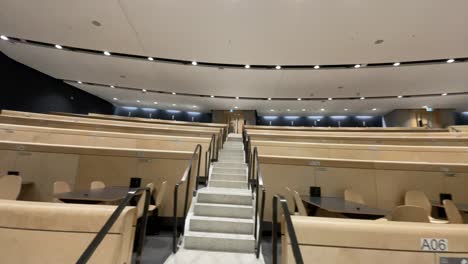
<point x="60" y="187"/>
<point x="300" y="205"/>
<point x="161" y="193"/>
<point x="354" y="197"/>
<point x="10" y="187"/>
<point x="291" y="200"/>
<point x="409" y="213"/>
<point x="453" y="214"/>
<point x="54" y="233"/>
<point x="418" y="198"/>
<point x="97" y="185"/>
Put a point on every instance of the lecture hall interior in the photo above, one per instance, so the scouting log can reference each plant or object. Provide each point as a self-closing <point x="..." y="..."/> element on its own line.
<point x="234" y="132"/>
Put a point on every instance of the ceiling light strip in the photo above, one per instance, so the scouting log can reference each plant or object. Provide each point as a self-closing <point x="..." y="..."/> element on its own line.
<point x="238" y="66"/>
<point x="265" y="98"/>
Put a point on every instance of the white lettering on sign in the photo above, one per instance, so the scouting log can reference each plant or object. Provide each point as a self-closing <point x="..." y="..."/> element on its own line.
<point x="434" y="244"/>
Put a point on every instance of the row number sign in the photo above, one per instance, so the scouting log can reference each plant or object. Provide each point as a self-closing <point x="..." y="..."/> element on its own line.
<point x="434" y="244"/>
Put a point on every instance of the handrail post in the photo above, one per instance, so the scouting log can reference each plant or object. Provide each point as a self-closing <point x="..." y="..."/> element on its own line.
<point x="198" y="167"/>
<point x="260" y="229"/>
<point x="187" y="190"/>
<point x="143" y="226"/>
<point x="274" y="235"/>
<point x="174" y="238"/>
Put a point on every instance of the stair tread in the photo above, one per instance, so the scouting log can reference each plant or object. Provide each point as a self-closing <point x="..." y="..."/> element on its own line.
<point x="225" y="205"/>
<point x="222" y="219"/>
<point x="219" y="235"/>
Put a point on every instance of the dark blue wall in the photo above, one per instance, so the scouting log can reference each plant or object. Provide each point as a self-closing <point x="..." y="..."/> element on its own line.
<point x="25" y="89"/>
<point x="461" y="118"/>
<point x="162" y="114"/>
<point x="320" y="121"/>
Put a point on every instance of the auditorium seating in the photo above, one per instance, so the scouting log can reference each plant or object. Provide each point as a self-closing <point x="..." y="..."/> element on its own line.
<point x="97" y="185"/>
<point x="10" y="187"/>
<point x="80" y="165"/>
<point x="348" y="129"/>
<point x="453" y="215"/>
<point x="409" y="213"/>
<point x="41" y="232"/>
<point x="330" y="241"/>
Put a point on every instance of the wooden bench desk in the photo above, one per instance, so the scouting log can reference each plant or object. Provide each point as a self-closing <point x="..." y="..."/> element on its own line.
<point x="108" y="194"/>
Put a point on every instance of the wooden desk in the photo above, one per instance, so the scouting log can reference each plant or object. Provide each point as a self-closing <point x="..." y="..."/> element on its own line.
<point x="107" y="194"/>
<point x="461" y="207"/>
<point x="339" y="205"/>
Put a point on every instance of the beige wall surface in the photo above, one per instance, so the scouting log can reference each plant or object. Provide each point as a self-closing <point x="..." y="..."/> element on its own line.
<point x="382" y="183"/>
<point x="447" y="154"/>
<point x="43" y="164"/>
<point x="102" y="139"/>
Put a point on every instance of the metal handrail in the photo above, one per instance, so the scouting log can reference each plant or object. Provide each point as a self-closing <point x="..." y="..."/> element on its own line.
<point x="290" y="228"/>
<point x="86" y="255"/>
<point x="185" y="178"/>
<point x="209" y="157"/>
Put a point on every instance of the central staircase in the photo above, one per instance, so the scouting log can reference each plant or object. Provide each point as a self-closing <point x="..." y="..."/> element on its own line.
<point x="220" y="223"/>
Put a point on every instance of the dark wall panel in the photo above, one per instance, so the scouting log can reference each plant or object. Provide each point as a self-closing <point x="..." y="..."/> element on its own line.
<point x="461" y="118"/>
<point x="163" y="114"/>
<point x="321" y="121"/>
<point x="25" y="89"/>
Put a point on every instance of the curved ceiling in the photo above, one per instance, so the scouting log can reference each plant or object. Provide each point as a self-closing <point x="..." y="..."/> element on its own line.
<point x="249" y="32"/>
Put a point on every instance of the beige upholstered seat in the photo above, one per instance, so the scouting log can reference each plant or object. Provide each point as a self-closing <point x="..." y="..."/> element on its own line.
<point x="291" y="201"/>
<point x="57" y="233"/>
<point x="60" y="187"/>
<point x="300" y="205"/>
<point x="97" y="185"/>
<point x="409" y="213"/>
<point x="159" y="196"/>
<point x="10" y="187"/>
<point x="418" y="198"/>
<point x="352" y="196"/>
<point x="453" y="214"/>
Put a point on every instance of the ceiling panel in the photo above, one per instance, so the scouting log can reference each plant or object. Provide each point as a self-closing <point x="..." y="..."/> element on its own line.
<point x="69" y="22"/>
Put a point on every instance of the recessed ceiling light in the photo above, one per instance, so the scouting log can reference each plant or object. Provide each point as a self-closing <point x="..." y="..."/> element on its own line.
<point x="400" y="96"/>
<point x="236" y="107"/>
<point x="112" y="86"/>
<point x="278" y="67"/>
<point x="150" y="59"/>
<point x="346" y="109"/>
<point x="272" y="110"/>
<point x="322" y="109"/>
<point x="362" y="98"/>
<point x="138" y="101"/>
<point x="143" y="90"/>
<point x="212" y="96"/>
<point x="107" y="53"/>
<point x="424" y="106"/>
<point x="444" y="94"/>
<point x="396" y="64"/>
<point x="194" y="63"/>
<point x="174" y="105"/>
<point x="303" y="110"/>
<point x="288" y="110"/>
<point x="247" y="66"/>
<point x="450" y="60"/>
<point x="316" y="67"/>
<point x="329" y="99"/>
<point x="174" y="93"/>
<point x="237" y="97"/>
<point x="155" y="103"/>
<point x="58" y="46"/>
<point x="357" y="66"/>
<point x="80" y="82"/>
<point x="4" y="37"/>
<point x="115" y="99"/>
<point x="269" y="99"/>
<point x="299" y="99"/>
<point x="374" y="109"/>
<point x="195" y="106"/>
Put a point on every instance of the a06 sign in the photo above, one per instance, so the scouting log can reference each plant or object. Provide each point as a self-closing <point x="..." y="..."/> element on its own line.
<point x="434" y="244"/>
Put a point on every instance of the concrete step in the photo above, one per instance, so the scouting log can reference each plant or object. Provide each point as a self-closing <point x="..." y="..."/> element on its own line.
<point x="225" y="196"/>
<point x="219" y="170"/>
<point x="231" y="159"/>
<point x="229" y="165"/>
<point x="223" y="210"/>
<point x="228" y="177"/>
<point x="228" y="184"/>
<point x="221" y="225"/>
<point x="219" y="242"/>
